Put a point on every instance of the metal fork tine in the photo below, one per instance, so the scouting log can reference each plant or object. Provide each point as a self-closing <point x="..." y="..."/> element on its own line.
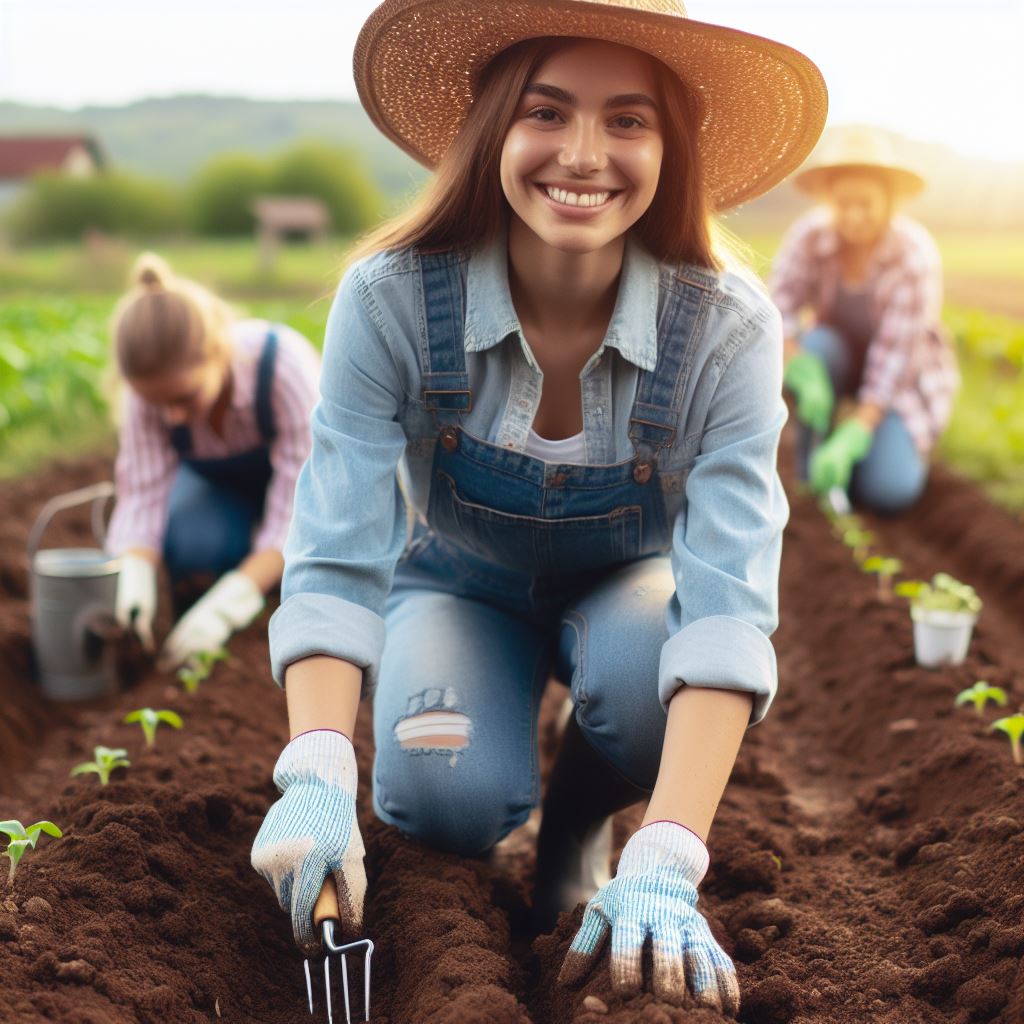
<point x="327" y="987"/>
<point x="366" y="980"/>
<point x="344" y="985"/>
<point x="309" y="986"/>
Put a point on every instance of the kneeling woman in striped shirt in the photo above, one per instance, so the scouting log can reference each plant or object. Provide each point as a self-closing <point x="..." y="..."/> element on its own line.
<point x="871" y="281"/>
<point x="214" y="429"/>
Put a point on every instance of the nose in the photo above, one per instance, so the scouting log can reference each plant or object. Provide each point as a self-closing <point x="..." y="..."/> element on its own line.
<point x="583" y="150"/>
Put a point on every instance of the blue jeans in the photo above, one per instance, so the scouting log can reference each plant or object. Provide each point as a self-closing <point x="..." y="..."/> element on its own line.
<point x="894" y="473"/>
<point x="209" y="525"/>
<point x="466" y="657"/>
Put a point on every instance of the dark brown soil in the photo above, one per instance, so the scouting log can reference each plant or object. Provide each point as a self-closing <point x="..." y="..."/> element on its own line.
<point x="867" y="860"/>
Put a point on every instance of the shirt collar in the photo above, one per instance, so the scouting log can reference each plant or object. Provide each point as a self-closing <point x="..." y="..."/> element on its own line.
<point x="633" y="328"/>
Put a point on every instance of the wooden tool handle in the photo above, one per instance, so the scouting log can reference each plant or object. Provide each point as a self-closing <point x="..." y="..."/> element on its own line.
<point x="326" y="903"/>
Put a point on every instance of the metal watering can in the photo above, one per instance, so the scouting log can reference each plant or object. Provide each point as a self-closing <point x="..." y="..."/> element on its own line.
<point x="72" y="597"/>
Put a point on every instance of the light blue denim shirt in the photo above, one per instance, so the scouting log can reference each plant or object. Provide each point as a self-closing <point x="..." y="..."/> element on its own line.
<point x="719" y="479"/>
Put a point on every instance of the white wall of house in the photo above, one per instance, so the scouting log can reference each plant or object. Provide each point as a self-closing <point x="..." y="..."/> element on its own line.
<point x="79" y="163"/>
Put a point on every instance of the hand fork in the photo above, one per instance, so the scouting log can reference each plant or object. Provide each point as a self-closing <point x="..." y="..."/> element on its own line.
<point x="326" y="915"/>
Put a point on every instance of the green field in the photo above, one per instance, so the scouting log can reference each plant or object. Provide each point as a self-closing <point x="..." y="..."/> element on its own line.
<point x="56" y="386"/>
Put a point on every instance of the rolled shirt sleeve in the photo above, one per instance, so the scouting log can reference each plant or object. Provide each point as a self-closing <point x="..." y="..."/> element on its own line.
<point x="727" y="538"/>
<point x="348" y="526"/>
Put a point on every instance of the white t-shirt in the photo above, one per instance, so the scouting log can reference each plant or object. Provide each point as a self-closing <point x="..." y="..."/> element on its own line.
<point x="565" y="450"/>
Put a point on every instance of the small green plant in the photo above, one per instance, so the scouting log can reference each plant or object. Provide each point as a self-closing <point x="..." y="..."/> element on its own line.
<point x="22" y="839"/>
<point x="149" y="719"/>
<point x="843" y="523"/>
<point x="858" y="541"/>
<point x="1013" y="726"/>
<point x="200" y="667"/>
<point x="944" y="593"/>
<point x="105" y="760"/>
<point x="980" y="694"/>
<point x="884" y="569"/>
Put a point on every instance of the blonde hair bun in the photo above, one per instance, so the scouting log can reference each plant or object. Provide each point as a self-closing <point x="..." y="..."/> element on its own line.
<point x="152" y="272"/>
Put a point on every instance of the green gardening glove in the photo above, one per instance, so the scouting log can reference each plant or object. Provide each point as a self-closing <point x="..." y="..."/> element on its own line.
<point x="833" y="462"/>
<point x="806" y="376"/>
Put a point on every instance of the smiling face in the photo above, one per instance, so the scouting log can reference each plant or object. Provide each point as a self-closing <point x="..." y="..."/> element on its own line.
<point x="861" y="208"/>
<point x="581" y="161"/>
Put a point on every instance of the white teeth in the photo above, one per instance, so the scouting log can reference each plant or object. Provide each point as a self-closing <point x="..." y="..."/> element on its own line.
<point x="560" y="195"/>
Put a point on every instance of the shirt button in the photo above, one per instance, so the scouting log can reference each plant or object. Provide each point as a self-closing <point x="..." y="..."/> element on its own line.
<point x="642" y="471"/>
<point x="449" y="439"/>
<point x="599" y="410"/>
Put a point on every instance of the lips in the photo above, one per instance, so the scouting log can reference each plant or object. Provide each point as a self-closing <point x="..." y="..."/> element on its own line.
<point x="591" y="199"/>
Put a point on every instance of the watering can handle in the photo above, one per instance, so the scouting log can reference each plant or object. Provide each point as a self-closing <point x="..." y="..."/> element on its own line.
<point x="98" y="494"/>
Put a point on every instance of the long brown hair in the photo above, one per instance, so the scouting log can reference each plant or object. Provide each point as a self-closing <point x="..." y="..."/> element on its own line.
<point x="463" y="205"/>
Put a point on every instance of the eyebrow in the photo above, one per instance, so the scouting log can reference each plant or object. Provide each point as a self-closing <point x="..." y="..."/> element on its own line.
<point x="629" y="99"/>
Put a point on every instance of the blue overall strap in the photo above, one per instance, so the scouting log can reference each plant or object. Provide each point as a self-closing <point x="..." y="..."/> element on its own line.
<point x="265" y="388"/>
<point x="659" y="392"/>
<point x="445" y="384"/>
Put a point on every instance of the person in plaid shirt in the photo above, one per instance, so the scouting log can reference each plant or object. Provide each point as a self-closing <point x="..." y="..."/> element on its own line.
<point x="860" y="292"/>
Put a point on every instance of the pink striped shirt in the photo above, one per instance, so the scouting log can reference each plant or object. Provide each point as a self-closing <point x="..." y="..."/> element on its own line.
<point x="147" y="462"/>
<point x="910" y="365"/>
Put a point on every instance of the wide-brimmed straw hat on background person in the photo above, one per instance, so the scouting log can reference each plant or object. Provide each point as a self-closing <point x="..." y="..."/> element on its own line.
<point x="763" y="103"/>
<point x="857" y="149"/>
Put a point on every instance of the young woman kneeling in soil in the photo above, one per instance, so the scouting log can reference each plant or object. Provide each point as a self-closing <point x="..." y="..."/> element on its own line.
<point x="586" y="410"/>
<point x="214" y="430"/>
<point x="873" y="283"/>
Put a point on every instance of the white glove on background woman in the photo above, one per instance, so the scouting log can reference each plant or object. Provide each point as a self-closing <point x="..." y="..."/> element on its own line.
<point x="135" y="604"/>
<point x="230" y="604"/>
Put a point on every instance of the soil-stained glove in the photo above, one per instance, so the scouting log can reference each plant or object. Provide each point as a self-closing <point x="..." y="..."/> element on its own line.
<point x="806" y="376"/>
<point x="135" y="604"/>
<point x="654" y="893"/>
<point x="231" y="603"/>
<point x="832" y="464"/>
<point x="312" y="832"/>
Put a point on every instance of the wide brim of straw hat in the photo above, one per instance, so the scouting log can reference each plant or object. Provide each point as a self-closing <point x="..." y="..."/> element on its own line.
<point x="764" y="103"/>
<point x="815" y="180"/>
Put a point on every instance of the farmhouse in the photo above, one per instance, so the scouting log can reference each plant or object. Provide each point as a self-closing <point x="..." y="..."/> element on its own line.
<point x="22" y="156"/>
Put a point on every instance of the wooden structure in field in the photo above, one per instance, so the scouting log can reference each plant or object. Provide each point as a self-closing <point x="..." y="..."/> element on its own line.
<point x="279" y="218"/>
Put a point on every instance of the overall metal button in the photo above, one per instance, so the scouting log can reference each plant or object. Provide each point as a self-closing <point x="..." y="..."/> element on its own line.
<point x="449" y="438"/>
<point x="642" y="471"/>
<point x="558" y="479"/>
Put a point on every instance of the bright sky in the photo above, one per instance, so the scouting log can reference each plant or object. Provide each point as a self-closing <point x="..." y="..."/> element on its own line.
<point x="935" y="70"/>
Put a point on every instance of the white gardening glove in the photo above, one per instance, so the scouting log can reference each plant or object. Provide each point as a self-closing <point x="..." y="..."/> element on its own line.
<point x="135" y="604"/>
<point x="231" y="603"/>
<point x="654" y="896"/>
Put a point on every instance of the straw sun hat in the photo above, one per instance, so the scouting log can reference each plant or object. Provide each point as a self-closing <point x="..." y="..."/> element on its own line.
<point x="857" y="149"/>
<point x="764" y="104"/>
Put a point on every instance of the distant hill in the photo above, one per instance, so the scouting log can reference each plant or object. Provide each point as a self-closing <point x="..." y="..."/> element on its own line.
<point x="172" y="137"/>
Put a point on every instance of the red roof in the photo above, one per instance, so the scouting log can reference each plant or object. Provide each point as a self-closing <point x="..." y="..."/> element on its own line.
<point x="23" y="156"/>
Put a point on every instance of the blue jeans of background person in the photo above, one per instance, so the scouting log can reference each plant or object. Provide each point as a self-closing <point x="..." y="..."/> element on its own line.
<point x="894" y="473"/>
<point x="469" y="648"/>
<point x="209" y="525"/>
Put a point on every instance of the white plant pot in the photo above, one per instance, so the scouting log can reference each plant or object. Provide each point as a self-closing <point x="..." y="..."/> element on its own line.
<point x="941" y="637"/>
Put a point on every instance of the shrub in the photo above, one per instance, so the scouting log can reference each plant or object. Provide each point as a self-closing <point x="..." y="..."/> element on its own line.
<point x="221" y="193"/>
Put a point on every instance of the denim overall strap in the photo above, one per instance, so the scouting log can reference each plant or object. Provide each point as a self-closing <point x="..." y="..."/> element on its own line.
<point x="181" y="436"/>
<point x="659" y="392"/>
<point x="445" y="383"/>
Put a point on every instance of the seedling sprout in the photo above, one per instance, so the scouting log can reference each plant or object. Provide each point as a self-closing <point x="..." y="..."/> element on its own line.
<point x="22" y="839"/>
<point x="1013" y="726"/>
<point x="859" y="541"/>
<point x="980" y="694"/>
<point x="149" y="719"/>
<point x="884" y="569"/>
<point x="199" y="668"/>
<point x="105" y="760"/>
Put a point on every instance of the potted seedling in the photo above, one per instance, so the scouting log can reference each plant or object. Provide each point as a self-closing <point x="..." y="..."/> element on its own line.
<point x="980" y="694"/>
<point x="22" y="839"/>
<point x="944" y="612"/>
<point x="858" y="541"/>
<point x="884" y="569"/>
<point x="149" y="719"/>
<point x="105" y="760"/>
<point x="1013" y="726"/>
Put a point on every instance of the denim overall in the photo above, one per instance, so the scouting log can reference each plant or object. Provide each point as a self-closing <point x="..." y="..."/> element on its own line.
<point x="524" y="568"/>
<point x="216" y="502"/>
<point x="893" y="474"/>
